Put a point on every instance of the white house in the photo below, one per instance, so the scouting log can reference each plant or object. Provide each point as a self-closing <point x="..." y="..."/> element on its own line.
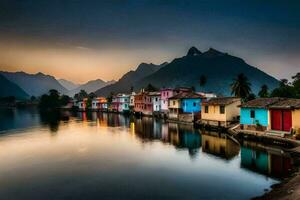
<point x="156" y="103"/>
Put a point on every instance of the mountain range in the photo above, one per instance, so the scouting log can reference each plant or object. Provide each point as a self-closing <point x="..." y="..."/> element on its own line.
<point x="9" y="88"/>
<point x="130" y="79"/>
<point x="91" y="86"/>
<point x="34" y="84"/>
<point x="69" y="85"/>
<point x="219" y="68"/>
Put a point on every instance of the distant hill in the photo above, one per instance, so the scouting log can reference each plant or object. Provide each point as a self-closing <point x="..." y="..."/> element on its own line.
<point x="91" y="86"/>
<point x="8" y="88"/>
<point x="34" y="84"/>
<point x="69" y="85"/>
<point x="129" y="79"/>
<point x="219" y="68"/>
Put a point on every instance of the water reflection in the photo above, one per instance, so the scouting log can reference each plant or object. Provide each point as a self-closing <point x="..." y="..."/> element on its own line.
<point x="219" y="144"/>
<point x="266" y="160"/>
<point x="106" y="155"/>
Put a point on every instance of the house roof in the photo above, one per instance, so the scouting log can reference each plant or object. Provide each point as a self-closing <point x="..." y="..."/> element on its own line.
<point x="153" y="94"/>
<point x="286" y="104"/>
<point x="260" y="102"/>
<point x="221" y="101"/>
<point x="190" y="95"/>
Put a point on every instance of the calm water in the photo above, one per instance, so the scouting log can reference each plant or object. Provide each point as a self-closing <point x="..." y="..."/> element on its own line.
<point x="109" y="156"/>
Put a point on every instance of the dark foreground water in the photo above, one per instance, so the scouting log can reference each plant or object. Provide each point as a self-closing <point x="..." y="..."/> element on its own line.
<point x="109" y="156"/>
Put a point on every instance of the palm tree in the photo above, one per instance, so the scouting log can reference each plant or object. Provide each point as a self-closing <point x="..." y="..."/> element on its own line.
<point x="202" y="80"/>
<point x="241" y="87"/>
<point x="264" y="91"/>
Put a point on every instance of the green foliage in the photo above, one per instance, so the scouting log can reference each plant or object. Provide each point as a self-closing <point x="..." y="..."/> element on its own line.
<point x="241" y="87"/>
<point x="249" y="97"/>
<point x="53" y="100"/>
<point x="264" y="91"/>
<point x="81" y="95"/>
<point x="92" y="95"/>
<point x="32" y="98"/>
<point x="64" y="100"/>
<point x="110" y="97"/>
<point x="150" y="88"/>
<point x="288" y="90"/>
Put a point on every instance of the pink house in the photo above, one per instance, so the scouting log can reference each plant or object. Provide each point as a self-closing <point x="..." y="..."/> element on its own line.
<point x="166" y="93"/>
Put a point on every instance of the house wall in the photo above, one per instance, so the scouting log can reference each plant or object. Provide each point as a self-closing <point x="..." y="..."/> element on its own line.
<point x="187" y="105"/>
<point x="213" y="113"/>
<point x="232" y="111"/>
<point x="296" y="120"/>
<point x="261" y="115"/>
<point x="164" y="96"/>
<point x="174" y="103"/>
<point x="156" y="103"/>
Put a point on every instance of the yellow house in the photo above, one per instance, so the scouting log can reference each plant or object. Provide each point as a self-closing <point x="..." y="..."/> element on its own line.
<point x="221" y="111"/>
<point x="174" y="107"/>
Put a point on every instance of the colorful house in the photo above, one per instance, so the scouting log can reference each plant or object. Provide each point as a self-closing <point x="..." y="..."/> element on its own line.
<point x="146" y="102"/>
<point x="155" y="99"/>
<point x="220" y="111"/>
<point x="167" y="93"/>
<point x="285" y="115"/>
<point x="120" y="103"/>
<point x="99" y="104"/>
<point x="184" y="103"/>
<point x="254" y="114"/>
<point x="139" y="102"/>
<point x="82" y="104"/>
<point x="131" y="101"/>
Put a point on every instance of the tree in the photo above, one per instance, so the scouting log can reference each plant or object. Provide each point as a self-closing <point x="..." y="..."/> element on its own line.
<point x="92" y="95"/>
<point x="264" y="91"/>
<point x="296" y="84"/>
<point x="202" y="80"/>
<point x="284" y="82"/>
<point x="150" y="88"/>
<point x="53" y="100"/>
<point x="250" y="97"/>
<point x="64" y="100"/>
<point x="241" y="87"/>
<point x="32" y="98"/>
<point x="81" y="95"/>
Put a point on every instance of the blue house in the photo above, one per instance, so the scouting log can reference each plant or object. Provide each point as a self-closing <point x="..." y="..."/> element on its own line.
<point x="190" y="102"/>
<point x="255" y="114"/>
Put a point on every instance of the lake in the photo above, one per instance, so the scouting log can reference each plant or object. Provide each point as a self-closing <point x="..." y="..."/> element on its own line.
<point x="111" y="156"/>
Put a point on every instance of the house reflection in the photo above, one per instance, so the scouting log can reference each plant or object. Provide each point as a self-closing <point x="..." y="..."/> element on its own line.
<point x="184" y="137"/>
<point x="266" y="161"/>
<point x="219" y="144"/>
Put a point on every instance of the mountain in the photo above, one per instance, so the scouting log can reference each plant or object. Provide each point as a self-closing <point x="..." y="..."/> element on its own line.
<point x="91" y="86"/>
<point x="9" y="88"/>
<point x="34" y="84"/>
<point x="129" y="79"/>
<point x="69" y="85"/>
<point x="219" y="68"/>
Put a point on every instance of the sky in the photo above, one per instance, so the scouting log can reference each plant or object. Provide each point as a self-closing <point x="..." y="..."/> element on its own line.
<point x="82" y="40"/>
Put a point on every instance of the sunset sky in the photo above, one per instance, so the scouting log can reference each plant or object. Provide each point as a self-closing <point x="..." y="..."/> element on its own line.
<point x="82" y="40"/>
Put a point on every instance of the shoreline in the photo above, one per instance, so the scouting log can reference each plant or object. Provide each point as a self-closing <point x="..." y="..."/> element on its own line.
<point x="288" y="189"/>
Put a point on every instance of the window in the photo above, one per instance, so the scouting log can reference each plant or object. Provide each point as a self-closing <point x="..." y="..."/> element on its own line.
<point x="206" y="109"/>
<point x="173" y="103"/>
<point x="167" y="93"/>
<point x="222" y="109"/>
<point x="156" y="99"/>
<point x="252" y="114"/>
<point x="194" y="104"/>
